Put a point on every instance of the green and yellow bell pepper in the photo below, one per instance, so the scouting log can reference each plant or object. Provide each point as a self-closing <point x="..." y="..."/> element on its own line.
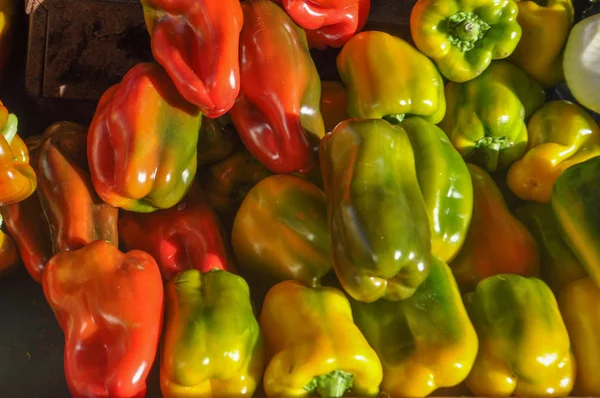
<point x="524" y="348"/>
<point x="388" y="78"/>
<point x="561" y="134"/>
<point x="313" y="345"/>
<point x="463" y="37"/>
<point x="424" y="342"/>
<point x="485" y="119"/>
<point x="378" y="223"/>
<point x="213" y="346"/>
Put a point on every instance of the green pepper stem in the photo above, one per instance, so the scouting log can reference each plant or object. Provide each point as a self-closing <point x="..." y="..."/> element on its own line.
<point x="9" y="130"/>
<point x="331" y="385"/>
<point x="487" y="151"/>
<point x="465" y="29"/>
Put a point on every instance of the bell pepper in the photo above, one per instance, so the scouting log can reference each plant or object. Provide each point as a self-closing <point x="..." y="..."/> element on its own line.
<point x="334" y="103"/>
<point x="9" y="256"/>
<point x="446" y="186"/>
<point x="277" y="114"/>
<point x="76" y="215"/>
<point x="578" y="303"/>
<point x="313" y="345"/>
<point x="561" y="134"/>
<point x="109" y="305"/>
<point x="574" y="201"/>
<point x="485" y="119"/>
<point x="463" y="37"/>
<point x="227" y="182"/>
<point x="17" y="178"/>
<point x="281" y="231"/>
<point x="196" y="41"/>
<point x="328" y="23"/>
<point x="186" y="236"/>
<point x="546" y="25"/>
<point x="424" y="342"/>
<point x="142" y="142"/>
<point x="217" y="141"/>
<point x="559" y="267"/>
<point x="388" y="78"/>
<point x="205" y="353"/>
<point x="497" y="242"/>
<point x="26" y="223"/>
<point x="524" y="347"/>
<point x="380" y="237"/>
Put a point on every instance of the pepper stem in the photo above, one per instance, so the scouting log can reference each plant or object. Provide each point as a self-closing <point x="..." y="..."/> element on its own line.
<point x="394" y="119"/>
<point x="465" y="29"/>
<point x="9" y="130"/>
<point x="331" y="385"/>
<point x="487" y="151"/>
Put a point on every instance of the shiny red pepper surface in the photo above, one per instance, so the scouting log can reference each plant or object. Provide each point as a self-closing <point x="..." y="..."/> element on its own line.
<point x="277" y="114"/>
<point x="109" y="305"/>
<point x="196" y="41"/>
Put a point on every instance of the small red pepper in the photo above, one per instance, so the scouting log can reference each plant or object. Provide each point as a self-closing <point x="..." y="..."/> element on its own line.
<point x="186" y="236"/>
<point x="197" y="41"/>
<point x="109" y="305"/>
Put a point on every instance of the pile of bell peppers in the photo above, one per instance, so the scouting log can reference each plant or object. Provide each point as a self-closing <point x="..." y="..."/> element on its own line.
<point x="428" y="222"/>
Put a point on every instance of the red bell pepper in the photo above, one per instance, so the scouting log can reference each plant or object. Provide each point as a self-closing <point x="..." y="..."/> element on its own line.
<point x="75" y="213"/>
<point x="328" y="23"/>
<point x="142" y="142"/>
<point x="277" y="114"/>
<point x="109" y="305"/>
<point x="197" y="41"/>
<point x="186" y="236"/>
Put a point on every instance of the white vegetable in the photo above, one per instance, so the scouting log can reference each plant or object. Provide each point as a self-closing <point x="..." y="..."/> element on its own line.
<point x="582" y="62"/>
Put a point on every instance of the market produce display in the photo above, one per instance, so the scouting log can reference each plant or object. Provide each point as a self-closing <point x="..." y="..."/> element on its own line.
<point x="427" y="220"/>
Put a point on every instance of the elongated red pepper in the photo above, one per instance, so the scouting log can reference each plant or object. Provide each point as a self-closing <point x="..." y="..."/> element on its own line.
<point x="328" y="22"/>
<point x="186" y="236"/>
<point x="277" y="114"/>
<point x="196" y="41"/>
<point x="109" y="305"/>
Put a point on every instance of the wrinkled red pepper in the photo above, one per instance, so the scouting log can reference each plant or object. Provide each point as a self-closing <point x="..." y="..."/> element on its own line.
<point x="109" y="305"/>
<point x="186" y="236"/>
<point x="197" y="41"/>
<point x="328" y="23"/>
<point x="277" y="114"/>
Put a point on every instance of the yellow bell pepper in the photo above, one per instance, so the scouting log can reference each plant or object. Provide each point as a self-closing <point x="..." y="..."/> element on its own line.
<point x="524" y="348"/>
<point x="580" y="305"/>
<point x="313" y="344"/>
<point x="9" y="255"/>
<point x="546" y="25"/>
<point x="561" y="134"/>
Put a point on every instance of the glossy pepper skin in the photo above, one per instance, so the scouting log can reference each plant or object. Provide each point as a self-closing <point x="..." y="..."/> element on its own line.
<point x="281" y="230"/>
<point x="380" y="237"/>
<point x="561" y="134"/>
<point x="578" y="303"/>
<point x="497" y="242"/>
<point x="328" y="23"/>
<point x="486" y="116"/>
<point x="314" y="345"/>
<point x="463" y="37"/>
<point x="76" y="215"/>
<point x="9" y="256"/>
<point x="546" y="26"/>
<point x="559" y="266"/>
<point x="17" y="178"/>
<point x="277" y="115"/>
<point x="424" y="342"/>
<point x="213" y="346"/>
<point x="196" y="41"/>
<point x="217" y="141"/>
<point x="334" y="103"/>
<point x="109" y="304"/>
<point x="388" y="78"/>
<point x="574" y="200"/>
<point x="446" y="186"/>
<point x="524" y="345"/>
<point x="186" y="236"/>
<point x="142" y="142"/>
